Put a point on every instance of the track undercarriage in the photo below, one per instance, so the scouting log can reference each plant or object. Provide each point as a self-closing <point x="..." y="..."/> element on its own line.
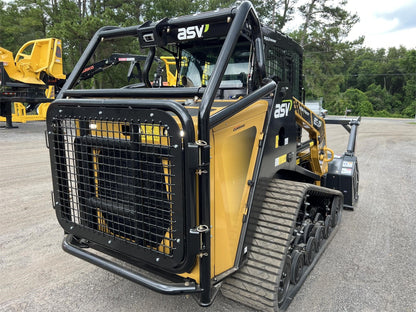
<point x="290" y="229"/>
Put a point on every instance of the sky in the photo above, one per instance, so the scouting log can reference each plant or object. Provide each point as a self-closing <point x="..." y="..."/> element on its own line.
<point x="385" y="23"/>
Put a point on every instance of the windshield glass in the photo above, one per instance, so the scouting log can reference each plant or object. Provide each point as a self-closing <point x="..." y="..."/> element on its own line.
<point x="198" y="63"/>
<point x="108" y="68"/>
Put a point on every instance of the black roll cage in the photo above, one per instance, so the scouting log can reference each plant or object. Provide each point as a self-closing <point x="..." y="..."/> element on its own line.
<point x="239" y="19"/>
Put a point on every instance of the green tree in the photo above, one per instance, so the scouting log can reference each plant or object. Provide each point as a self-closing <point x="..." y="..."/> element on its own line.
<point x="325" y="20"/>
<point x="379" y="97"/>
<point x="363" y="70"/>
<point x="76" y="22"/>
<point x="275" y="14"/>
<point x="409" y="102"/>
<point x="394" y="79"/>
<point x="21" y="22"/>
<point x="156" y="10"/>
<point x="356" y="101"/>
<point x="344" y="73"/>
<point x="323" y="34"/>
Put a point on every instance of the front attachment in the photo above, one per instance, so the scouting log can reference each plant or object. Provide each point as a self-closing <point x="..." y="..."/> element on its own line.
<point x="343" y="175"/>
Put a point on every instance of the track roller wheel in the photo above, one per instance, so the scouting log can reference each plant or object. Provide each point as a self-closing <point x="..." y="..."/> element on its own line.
<point x="318" y="217"/>
<point x="310" y="249"/>
<point x="298" y="260"/>
<point x="335" y="211"/>
<point x="284" y="282"/>
<point x="327" y="226"/>
<point x="307" y="231"/>
<point x="297" y="239"/>
<point x="319" y="236"/>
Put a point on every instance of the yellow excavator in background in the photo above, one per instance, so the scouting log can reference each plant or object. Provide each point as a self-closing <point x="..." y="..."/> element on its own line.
<point x="35" y="76"/>
<point x="34" y="59"/>
<point x="30" y="77"/>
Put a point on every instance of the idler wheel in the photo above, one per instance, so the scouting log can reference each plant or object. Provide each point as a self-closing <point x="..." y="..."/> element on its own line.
<point x="298" y="261"/>
<point x="327" y="226"/>
<point x="335" y="211"/>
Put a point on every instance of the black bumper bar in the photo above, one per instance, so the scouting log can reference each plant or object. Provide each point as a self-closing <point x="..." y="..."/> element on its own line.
<point x="164" y="288"/>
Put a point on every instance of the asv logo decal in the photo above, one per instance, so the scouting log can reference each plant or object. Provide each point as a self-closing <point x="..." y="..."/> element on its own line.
<point x="192" y="32"/>
<point x="282" y="109"/>
<point x="317" y="122"/>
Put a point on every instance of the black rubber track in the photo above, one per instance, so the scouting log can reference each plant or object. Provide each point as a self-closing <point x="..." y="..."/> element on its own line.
<point x="256" y="283"/>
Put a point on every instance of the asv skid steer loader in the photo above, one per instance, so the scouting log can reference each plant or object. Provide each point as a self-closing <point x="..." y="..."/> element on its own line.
<point x="203" y="181"/>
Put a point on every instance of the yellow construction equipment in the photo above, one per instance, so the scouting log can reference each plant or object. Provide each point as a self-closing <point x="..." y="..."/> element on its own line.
<point x="20" y="111"/>
<point x="171" y="73"/>
<point x="34" y="60"/>
<point x="31" y="77"/>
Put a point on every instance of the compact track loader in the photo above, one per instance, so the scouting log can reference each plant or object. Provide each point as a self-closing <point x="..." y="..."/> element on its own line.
<point x="215" y="179"/>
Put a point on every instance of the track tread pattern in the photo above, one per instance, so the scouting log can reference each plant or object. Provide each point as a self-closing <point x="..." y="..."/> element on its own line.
<point x="271" y="224"/>
<point x="256" y="283"/>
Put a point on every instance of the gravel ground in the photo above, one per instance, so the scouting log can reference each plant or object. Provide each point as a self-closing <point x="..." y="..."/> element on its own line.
<point x="369" y="265"/>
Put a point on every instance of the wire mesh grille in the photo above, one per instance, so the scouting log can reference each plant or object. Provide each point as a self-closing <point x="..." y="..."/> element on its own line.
<point x="117" y="178"/>
<point x="274" y="63"/>
<point x="285" y="65"/>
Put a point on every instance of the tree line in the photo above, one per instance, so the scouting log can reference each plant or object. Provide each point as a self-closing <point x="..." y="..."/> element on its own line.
<point x="343" y="72"/>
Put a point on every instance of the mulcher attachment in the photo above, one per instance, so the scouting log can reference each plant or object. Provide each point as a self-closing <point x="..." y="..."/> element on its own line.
<point x="343" y="171"/>
<point x="290" y="226"/>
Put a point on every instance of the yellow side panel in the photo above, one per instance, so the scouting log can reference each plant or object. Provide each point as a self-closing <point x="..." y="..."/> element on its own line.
<point x="55" y="68"/>
<point x="234" y="150"/>
<point x="170" y="66"/>
<point x="234" y="147"/>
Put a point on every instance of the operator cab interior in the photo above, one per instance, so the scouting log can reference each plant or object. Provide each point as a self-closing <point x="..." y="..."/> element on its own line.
<point x="198" y="62"/>
<point x="191" y="64"/>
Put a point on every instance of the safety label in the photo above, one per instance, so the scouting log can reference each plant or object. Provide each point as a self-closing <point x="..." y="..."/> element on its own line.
<point x="346" y="171"/>
<point x="280" y="160"/>
<point x="347" y="164"/>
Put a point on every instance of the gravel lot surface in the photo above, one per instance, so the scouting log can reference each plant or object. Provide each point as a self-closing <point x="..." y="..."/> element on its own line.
<point x="369" y="265"/>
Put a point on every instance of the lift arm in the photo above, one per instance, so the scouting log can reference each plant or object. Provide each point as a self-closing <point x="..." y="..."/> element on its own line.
<point x="351" y="125"/>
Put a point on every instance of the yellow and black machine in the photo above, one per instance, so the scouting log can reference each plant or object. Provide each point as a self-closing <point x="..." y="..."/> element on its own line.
<point x="31" y="77"/>
<point x="35" y="76"/>
<point x="218" y="179"/>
